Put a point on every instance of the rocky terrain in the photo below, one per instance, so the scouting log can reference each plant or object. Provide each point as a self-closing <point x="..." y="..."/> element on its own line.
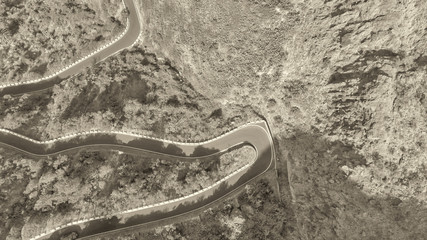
<point x="341" y="83"/>
<point x="40" y="37"/>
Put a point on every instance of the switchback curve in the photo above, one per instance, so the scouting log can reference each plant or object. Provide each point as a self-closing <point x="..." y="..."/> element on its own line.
<point x="256" y="134"/>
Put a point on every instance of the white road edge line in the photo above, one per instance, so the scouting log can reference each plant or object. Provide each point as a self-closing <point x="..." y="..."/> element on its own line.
<point x="119" y="132"/>
<point x="84" y="133"/>
<point x="77" y="61"/>
<point x="167" y="201"/>
<point x="146" y="207"/>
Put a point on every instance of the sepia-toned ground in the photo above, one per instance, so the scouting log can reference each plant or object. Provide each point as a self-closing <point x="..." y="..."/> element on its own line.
<point x="342" y="85"/>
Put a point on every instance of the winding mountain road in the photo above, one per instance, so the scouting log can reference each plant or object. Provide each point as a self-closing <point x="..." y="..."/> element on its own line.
<point x="255" y="134"/>
<point x="127" y="39"/>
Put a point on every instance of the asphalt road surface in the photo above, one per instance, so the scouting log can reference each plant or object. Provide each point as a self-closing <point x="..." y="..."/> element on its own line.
<point x="255" y="134"/>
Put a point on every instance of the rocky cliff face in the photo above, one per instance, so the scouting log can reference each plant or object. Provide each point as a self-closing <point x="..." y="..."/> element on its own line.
<point x="343" y="86"/>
